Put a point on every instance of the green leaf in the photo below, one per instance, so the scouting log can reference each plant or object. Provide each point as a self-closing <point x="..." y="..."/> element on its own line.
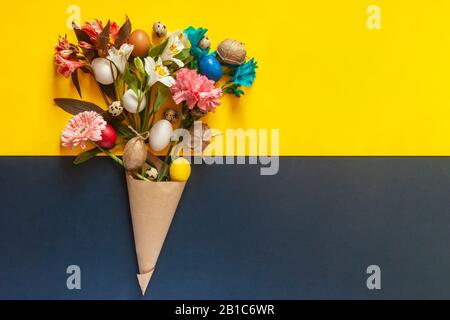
<point x="234" y="89"/>
<point x="123" y="130"/>
<point x="108" y="117"/>
<point x="161" y="96"/>
<point x="131" y="80"/>
<point x="158" y="50"/>
<point x="74" y="106"/>
<point x="193" y="64"/>
<point x="188" y="60"/>
<point x="238" y="93"/>
<point x="75" y="82"/>
<point x="86" y="156"/>
<point x="103" y="38"/>
<point x="124" y="33"/>
<point x="184" y="55"/>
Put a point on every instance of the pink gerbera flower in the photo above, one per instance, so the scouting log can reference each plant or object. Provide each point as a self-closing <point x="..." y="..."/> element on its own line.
<point x="85" y="126"/>
<point x="195" y="90"/>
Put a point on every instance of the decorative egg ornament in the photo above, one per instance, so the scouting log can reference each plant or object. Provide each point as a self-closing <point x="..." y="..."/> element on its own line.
<point x="104" y="71"/>
<point x="115" y="109"/>
<point x="205" y="43"/>
<point x="159" y="29"/>
<point x="135" y="154"/>
<point x="130" y="102"/>
<point x="171" y="115"/>
<point x="152" y="174"/>
<point x="109" y="137"/>
<point x="180" y="170"/>
<point x="231" y="52"/>
<point x="211" y="68"/>
<point x="160" y="135"/>
<point x="141" y="42"/>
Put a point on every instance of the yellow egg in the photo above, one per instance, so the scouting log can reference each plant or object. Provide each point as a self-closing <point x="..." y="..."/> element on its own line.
<point x="180" y="170"/>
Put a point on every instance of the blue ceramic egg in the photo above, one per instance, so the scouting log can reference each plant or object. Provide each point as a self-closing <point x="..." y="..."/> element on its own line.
<point x="210" y="67"/>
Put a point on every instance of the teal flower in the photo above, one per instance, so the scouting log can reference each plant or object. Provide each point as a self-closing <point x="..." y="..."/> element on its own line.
<point x="195" y="36"/>
<point x="245" y="74"/>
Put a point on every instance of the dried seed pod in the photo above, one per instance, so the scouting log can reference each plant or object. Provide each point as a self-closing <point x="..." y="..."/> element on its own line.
<point x="160" y="29"/>
<point x="135" y="154"/>
<point x="171" y="115"/>
<point x="205" y="43"/>
<point x="115" y="109"/>
<point x="152" y="174"/>
<point x="231" y="52"/>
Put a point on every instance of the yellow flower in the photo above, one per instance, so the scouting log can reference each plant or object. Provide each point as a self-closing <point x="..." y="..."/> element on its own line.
<point x="174" y="47"/>
<point x="157" y="72"/>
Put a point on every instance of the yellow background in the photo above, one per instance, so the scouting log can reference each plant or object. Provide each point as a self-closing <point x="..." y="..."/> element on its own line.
<point x="331" y="85"/>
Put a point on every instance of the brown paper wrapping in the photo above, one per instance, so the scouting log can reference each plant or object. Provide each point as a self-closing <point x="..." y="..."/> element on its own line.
<point x="153" y="205"/>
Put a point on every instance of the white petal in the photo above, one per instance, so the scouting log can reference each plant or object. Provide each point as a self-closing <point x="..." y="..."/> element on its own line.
<point x="167" y="81"/>
<point x="127" y="49"/>
<point x="149" y="65"/>
<point x="178" y="62"/>
<point x="152" y="79"/>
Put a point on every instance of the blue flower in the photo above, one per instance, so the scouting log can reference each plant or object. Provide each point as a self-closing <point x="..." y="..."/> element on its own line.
<point x="245" y="74"/>
<point x="195" y="36"/>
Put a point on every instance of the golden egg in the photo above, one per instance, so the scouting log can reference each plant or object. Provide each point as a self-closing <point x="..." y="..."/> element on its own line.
<point x="141" y="42"/>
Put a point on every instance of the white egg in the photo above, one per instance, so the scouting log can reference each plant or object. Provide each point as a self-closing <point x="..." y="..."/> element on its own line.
<point x="160" y="135"/>
<point x="130" y="102"/>
<point x="104" y="71"/>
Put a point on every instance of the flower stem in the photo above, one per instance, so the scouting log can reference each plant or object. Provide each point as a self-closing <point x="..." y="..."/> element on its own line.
<point x="119" y="161"/>
<point x="140" y="176"/>
<point x="165" y="168"/>
<point x="110" y="154"/>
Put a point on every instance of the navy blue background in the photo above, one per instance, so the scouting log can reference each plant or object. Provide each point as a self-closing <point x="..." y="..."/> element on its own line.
<point x="308" y="233"/>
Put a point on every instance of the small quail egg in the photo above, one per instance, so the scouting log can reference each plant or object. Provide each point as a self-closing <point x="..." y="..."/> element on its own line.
<point x="171" y="115"/>
<point x="152" y="174"/>
<point x="115" y="109"/>
<point x="205" y="43"/>
<point x="160" y="29"/>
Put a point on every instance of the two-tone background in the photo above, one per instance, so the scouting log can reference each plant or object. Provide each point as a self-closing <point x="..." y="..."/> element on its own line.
<point x="364" y="180"/>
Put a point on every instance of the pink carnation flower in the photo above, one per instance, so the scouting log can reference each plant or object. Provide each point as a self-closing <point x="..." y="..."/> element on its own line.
<point x="195" y="90"/>
<point x="85" y="126"/>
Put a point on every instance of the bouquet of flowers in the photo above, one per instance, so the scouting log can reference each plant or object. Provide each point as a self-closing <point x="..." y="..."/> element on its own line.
<point x="136" y="74"/>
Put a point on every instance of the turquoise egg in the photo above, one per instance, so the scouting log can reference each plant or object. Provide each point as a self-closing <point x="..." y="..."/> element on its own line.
<point x="210" y="67"/>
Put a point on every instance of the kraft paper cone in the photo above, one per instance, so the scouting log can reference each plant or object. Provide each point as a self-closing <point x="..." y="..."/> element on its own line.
<point x="153" y="205"/>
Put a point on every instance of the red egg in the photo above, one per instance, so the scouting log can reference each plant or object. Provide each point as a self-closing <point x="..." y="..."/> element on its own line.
<point x="109" y="138"/>
<point x="141" y="42"/>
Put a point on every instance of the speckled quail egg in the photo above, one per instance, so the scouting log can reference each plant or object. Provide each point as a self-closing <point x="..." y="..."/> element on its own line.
<point x="115" y="109"/>
<point x="160" y="29"/>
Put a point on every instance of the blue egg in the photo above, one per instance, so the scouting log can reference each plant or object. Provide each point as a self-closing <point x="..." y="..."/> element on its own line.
<point x="210" y="67"/>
